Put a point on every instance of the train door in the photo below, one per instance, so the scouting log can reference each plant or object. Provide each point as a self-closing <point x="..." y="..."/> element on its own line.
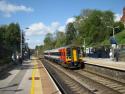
<point x="64" y="55"/>
<point x="60" y="51"/>
<point x="75" y="54"/>
<point x="79" y="52"/>
<point x="74" y="51"/>
<point x="68" y="54"/>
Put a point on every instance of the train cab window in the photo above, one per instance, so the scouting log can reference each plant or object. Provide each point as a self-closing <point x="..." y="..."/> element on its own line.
<point x="68" y="52"/>
<point x="79" y="51"/>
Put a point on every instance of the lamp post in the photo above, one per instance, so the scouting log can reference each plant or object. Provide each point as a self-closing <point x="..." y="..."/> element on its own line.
<point x="21" y="42"/>
<point x="113" y="41"/>
<point x="84" y="45"/>
<point x="113" y="29"/>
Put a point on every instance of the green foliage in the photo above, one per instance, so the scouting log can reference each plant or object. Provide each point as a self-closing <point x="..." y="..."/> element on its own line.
<point x="60" y="39"/>
<point x="119" y="27"/>
<point x="91" y="28"/>
<point x="120" y="37"/>
<point x="2" y="34"/>
<point x="10" y="40"/>
<point x="12" y="36"/>
<point x="70" y="33"/>
<point x="94" y="26"/>
<point x="49" y="41"/>
<point x="39" y="49"/>
<point x="55" y="40"/>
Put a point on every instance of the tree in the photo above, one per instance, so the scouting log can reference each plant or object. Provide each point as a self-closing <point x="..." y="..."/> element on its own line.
<point x="70" y="33"/>
<point x="2" y="34"/>
<point x="10" y="41"/>
<point x="93" y="26"/>
<point x="40" y="49"/>
<point x="60" y="39"/>
<point x="49" y="41"/>
<point x="90" y="27"/>
<point x="13" y="36"/>
<point x="119" y="27"/>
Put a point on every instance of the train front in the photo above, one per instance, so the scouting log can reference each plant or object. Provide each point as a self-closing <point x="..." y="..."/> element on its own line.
<point x="74" y="57"/>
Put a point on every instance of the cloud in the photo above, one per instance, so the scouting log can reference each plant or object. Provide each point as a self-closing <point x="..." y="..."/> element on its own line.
<point x="70" y="20"/>
<point x="8" y="9"/>
<point x="38" y="29"/>
<point x="33" y="43"/>
<point x="62" y="28"/>
<point x="118" y="17"/>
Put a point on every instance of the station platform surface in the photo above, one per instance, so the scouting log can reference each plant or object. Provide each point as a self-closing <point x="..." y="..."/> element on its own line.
<point x="105" y="63"/>
<point x="29" y="78"/>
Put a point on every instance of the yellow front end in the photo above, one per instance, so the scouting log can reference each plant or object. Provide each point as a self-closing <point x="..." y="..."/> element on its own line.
<point x="74" y="55"/>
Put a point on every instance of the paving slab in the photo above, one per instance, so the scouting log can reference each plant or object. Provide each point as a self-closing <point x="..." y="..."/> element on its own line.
<point x="29" y="78"/>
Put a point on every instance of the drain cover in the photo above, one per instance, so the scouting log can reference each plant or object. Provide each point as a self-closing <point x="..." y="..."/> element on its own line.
<point x="35" y="78"/>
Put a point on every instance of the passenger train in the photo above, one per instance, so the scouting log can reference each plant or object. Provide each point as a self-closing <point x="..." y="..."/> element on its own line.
<point x="69" y="56"/>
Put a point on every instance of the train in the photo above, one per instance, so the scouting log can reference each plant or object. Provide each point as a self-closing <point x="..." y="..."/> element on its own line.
<point x="68" y="56"/>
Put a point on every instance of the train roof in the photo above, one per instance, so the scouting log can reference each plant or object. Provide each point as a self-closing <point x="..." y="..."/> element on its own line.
<point x="56" y="50"/>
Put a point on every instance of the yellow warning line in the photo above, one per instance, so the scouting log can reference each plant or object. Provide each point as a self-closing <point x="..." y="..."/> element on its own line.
<point x="33" y="81"/>
<point x="36" y="86"/>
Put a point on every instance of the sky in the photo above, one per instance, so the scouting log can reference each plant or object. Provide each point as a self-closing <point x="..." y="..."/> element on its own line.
<point x="39" y="17"/>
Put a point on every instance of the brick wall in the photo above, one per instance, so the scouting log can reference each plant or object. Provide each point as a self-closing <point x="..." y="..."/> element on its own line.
<point x="123" y="17"/>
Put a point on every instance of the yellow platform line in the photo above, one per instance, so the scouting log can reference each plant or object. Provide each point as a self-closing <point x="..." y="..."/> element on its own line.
<point x="36" y="87"/>
<point x="33" y="81"/>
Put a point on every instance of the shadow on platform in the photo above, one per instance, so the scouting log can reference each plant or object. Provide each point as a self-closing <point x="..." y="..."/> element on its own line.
<point x="4" y="75"/>
<point x="15" y="90"/>
<point x="9" y="86"/>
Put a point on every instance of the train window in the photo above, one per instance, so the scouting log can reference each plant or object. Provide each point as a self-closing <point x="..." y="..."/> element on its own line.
<point x="56" y="53"/>
<point x="68" y="52"/>
<point x="78" y="49"/>
<point x="46" y="53"/>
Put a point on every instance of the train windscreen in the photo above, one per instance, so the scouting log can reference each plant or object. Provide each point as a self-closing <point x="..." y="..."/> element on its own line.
<point x="79" y="51"/>
<point x="68" y="53"/>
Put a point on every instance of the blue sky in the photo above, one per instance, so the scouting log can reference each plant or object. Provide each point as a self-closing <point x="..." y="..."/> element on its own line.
<point x="43" y="16"/>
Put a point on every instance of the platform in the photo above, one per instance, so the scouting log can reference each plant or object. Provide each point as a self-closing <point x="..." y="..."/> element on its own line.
<point x="105" y="63"/>
<point x="29" y="78"/>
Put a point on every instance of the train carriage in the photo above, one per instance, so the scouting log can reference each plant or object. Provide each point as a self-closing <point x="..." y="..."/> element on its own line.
<point x="69" y="56"/>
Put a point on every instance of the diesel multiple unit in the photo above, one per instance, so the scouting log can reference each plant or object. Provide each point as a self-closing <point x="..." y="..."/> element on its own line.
<point x="69" y="56"/>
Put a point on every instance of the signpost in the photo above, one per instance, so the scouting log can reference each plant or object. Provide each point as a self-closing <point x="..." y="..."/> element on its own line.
<point x="113" y="41"/>
<point x="113" y="45"/>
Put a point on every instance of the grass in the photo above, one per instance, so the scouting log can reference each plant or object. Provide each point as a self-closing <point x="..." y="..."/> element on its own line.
<point x="121" y="37"/>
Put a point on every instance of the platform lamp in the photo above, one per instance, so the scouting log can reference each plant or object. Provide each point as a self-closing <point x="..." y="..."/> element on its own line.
<point x="113" y="35"/>
<point x="21" y="43"/>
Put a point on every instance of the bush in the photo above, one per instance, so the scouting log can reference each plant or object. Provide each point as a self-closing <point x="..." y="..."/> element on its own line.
<point x="5" y="55"/>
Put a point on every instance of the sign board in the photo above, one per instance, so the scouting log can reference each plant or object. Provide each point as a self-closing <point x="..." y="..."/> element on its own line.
<point x="114" y="46"/>
<point x="113" y="40"/>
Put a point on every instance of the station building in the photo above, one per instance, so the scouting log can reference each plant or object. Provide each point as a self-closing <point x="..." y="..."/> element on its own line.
<point x="123" y="17"/>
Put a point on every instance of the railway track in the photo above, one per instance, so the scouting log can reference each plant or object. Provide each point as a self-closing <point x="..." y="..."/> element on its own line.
<point x="66" y="84"/>
<point x="84" y="82"/>
<point x="113" y="84"/>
